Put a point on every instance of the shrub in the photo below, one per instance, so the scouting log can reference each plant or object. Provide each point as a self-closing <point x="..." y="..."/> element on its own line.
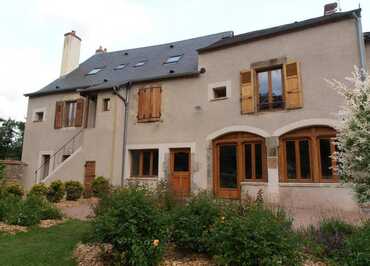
<point x="55" y="191"/>
<point x="192" y="222"/>
<point x="13" y="187"/>
<point x="357" y="247"/>
<point x="100" y="186"/>
<point x="129" y="220"/>
<point x="254" y="236"/>
<point x="29" y="211"/>
<point x="39" y="190"/>
<point x="73" y="190"/>
<point x="330" y="236"/>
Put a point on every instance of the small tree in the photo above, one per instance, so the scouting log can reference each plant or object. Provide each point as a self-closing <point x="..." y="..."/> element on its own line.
<point x="353" y="139"/>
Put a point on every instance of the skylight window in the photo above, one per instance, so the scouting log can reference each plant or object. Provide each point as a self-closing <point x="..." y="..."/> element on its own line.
<point x="140" y="63"/>
<point x="120" y="66"/>
<point x="95" y="71"/>
<point x="173" y="59"/>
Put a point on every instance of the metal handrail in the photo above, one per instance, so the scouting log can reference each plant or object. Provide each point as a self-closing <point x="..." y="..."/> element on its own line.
<point x="72" y="139"/>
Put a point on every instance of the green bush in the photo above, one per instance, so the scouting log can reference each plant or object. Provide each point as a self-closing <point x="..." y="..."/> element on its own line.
<point x="254" y="236"/>
<point x="56" y="191"/>
<point x="357" y="247"/>
<point x="73" y="190"/>
<point x="130" y="221"/>
<point x="39" y="190"/>
<point x="14" y="188"/>
<point x="100" y="187"/>
<point x="192" y="222"/>
<point x="26" y="212"/>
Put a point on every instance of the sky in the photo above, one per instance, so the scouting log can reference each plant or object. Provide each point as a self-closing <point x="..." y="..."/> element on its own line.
<point x="32" y="31"/>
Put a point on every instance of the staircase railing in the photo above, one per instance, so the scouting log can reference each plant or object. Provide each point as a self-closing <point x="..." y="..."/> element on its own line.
<point x="67" y="149"/>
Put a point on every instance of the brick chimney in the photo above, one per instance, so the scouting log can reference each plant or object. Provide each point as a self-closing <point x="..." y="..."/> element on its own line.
<point x="330" y="9"/>
<point x="71" y="53"/>
<point x="100" y="50"/>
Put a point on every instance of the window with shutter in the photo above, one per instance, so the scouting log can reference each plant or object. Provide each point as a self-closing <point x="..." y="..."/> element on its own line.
<point x="247" y="91"/>
<point x="149" y="104"/>
<point x="58" y="121"/>
<point x="293" y="88"/>
<point x="79" y="112"/>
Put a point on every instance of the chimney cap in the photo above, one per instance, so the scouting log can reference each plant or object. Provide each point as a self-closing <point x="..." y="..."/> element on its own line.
<point x="73" y="33"/>
<point x="100" y="50"/>
<point x="330" y="8"/>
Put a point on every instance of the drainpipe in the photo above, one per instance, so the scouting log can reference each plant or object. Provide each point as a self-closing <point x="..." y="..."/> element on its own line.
<point x="125" y="100"/>
<point x="361" y="44"/>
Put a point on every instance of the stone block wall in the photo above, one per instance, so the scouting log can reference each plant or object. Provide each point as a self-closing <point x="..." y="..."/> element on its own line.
<point x="14" y="169"/>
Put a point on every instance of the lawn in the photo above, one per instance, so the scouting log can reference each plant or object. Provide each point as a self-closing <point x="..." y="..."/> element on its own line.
<point x="52" y="246"/>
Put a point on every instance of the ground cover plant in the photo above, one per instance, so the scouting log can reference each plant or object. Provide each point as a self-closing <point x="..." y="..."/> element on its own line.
<point x="73" y="190"/>
<point x="56" y="191"/>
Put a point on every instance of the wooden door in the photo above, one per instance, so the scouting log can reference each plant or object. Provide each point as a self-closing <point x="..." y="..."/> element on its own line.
<point x="227" y="178"/>
<point x="89" y="175"/>
<point x="180" y="171"/>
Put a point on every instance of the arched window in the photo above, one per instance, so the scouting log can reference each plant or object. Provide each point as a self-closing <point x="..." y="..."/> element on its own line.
<point x="238" y="157"/>
<point x="305" y="155"/>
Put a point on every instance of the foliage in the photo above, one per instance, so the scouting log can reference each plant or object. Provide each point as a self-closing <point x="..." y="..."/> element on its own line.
<point x="56" y="191"/>
<point x="2" y="172"/>
<point x="131" y="222"/>
<point x="13" y="187"/>
<point x="39" y="190"/>
<point x="164" y="196"/>
<point x="100" y="186"/>
<point x="192" y="222"/>
<point x="73" y="190"/>
<point x="353" y="139"/>
<point x="254" y="235"/>
<point x="26" y="212"/>
<point x="43" y="246"/>
<point x="330" y="237"/>
<point x="11" y="139"/>
<point x="357" y="247"/>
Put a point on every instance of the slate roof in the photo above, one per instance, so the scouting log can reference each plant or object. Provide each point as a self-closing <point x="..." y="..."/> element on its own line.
<point x="270" y="32"/>
<point x="153" y="69"/>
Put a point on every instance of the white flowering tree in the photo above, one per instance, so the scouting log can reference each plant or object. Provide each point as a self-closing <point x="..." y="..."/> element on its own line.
<point x="353" y="139"/>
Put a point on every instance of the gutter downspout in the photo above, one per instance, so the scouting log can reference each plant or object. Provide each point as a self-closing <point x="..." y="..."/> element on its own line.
<point x="361" y="44"/>
<point x="125" y="100"/>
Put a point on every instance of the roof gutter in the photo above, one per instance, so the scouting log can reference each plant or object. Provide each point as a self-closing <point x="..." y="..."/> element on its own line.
<point x="361" y="44"/>
<point x="125" y="101"/>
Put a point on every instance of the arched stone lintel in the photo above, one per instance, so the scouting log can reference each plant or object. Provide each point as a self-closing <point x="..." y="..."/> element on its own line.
<point x="306" y="123"/>
<point x="241" y="128"/>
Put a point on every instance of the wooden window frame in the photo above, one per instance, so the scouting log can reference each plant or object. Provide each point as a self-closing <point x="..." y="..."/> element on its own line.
<point x="141" y="163"/>
<point x="270" y="99"/>
<point x="313" y="134"/>
<point x="67" y="122"/>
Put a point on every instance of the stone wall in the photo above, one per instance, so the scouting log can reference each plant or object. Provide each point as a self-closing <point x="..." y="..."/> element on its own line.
<point x="14" y="169"/>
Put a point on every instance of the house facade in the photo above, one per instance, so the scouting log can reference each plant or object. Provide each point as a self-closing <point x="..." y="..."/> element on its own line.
<point x="232" y="114"/>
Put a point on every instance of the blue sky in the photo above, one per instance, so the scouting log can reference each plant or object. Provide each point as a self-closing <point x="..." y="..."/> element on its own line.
<point x="31" y="31"/>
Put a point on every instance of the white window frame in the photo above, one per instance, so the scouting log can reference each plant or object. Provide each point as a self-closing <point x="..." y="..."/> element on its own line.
<point x="38" y="110"/>
<point x="211" y="86"/>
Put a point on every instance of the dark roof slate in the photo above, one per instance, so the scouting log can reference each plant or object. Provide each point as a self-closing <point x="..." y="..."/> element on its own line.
<point x="153" y="69"/>
<point x="270" y="32"/>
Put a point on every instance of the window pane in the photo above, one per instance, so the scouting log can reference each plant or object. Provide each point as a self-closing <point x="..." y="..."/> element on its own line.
<point x="228" y="178"/>
<point x="263" y="90"/>
<point x="181" y="161"/>
<point x="304" y="150"/>
<point x="325" y="159"/>
<point x="155" y="163"/>
<point x="146" y="162"/>
<point x="258" y="163"/>
<point x="248" y="160"/>
<point x="277" y="89"/>
<point x="290" y="157"/>
<point x="135" y="163"/>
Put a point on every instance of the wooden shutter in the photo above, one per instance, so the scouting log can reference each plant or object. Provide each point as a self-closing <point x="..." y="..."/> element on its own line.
<point x="79" y="112"/>
<point x="293" y="88"/>
<point x="247" y="92"/>
<point x="58" y="120"/>
<point x="156" y="102"/>
<point x="141" y="101"/>
<point x="147" y="103"/>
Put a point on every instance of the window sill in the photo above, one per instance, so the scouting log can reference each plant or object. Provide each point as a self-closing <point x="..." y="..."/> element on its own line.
<point x="308" y="184"/>
<point x="254" y="183"/>
<point x="218" y="99"/>
<point x="142" y="178"/>
<point x="150" y="120"/>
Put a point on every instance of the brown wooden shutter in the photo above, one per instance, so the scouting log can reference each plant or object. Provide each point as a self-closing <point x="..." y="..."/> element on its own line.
<point x="141" y="102"/>
<point x="156" y="102"/>
<point x="247" y="92"/>
<point x="79" y="112"/>
<point x="293" y="87"/>
<point x="58" y="120"/>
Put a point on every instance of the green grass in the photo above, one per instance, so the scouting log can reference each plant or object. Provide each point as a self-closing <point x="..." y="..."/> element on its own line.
<point x="52" y="246"/>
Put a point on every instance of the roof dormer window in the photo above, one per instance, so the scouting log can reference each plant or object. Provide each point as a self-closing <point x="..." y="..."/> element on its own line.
<point x="95" y="71"/>
<point x="173" y="59"/>
<point x="140" y="63"/>
<point x="120" y="66"/>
